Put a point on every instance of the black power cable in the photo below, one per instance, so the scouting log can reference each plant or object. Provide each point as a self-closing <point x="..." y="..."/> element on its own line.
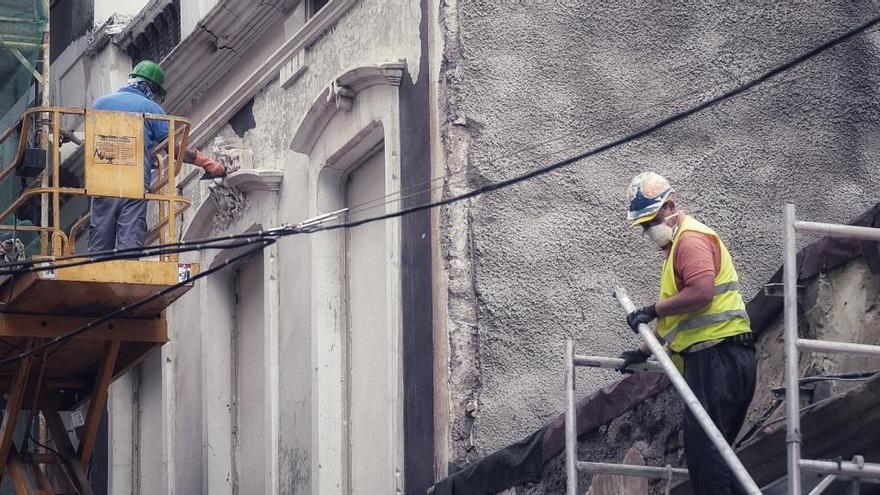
<point x="618" y="142"/>
<point x="269" y="237"/>
<point x="6" y="268"/>
<point x="40" y="265"/>
<point x="63" y="339"/>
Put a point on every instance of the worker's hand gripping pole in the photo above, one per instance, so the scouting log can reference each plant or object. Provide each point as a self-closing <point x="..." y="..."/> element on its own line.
<point x="690" y="399"/>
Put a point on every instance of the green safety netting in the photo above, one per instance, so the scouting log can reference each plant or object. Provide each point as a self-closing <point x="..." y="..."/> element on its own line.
<point x="22" y="23"/>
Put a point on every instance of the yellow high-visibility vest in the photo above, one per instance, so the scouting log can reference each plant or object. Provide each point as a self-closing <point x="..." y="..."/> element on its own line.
<point x="724" y="317"/>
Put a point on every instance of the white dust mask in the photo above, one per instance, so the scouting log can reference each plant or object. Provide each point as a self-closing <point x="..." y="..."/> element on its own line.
<point x="662" y="234"/>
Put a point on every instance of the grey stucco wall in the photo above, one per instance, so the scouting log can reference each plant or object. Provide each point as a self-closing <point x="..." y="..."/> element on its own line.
<point x="560" y="77"/>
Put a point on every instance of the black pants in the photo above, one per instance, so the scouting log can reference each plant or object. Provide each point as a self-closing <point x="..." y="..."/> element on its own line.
<point x="723" y="379"/>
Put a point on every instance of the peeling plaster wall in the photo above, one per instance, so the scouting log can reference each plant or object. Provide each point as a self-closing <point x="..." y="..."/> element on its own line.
<point x="372" y="32"/>
<point x="526" y="83"/>
<point x="841" y="305"/>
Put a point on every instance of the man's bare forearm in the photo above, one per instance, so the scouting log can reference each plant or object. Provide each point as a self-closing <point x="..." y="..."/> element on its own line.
<point x="692" y="298"/>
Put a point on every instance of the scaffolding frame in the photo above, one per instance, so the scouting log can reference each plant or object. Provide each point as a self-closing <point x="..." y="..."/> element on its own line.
<point x="664" y="364"/>
<point x="793" y="343"/>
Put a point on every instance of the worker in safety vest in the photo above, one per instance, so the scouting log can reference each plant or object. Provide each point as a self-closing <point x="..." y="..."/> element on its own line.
<point x="702" y="318"/>
<point x="120" y="223"/>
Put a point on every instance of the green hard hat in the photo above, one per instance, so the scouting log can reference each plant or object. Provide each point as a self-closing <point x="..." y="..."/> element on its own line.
<point x="151" y="71"/>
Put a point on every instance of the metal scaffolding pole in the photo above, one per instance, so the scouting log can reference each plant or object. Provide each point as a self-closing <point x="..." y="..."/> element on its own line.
<point x="838" y="347"/>
<point x="614" y="363"/>
<point x="842" y="468"/>
<point x="792" y="388"/>
<point x="837" y="230"/>
<point x="793" y="343"/>
<point x="570" y="422"/>
<point x="631" y="470"/>
<point x="825" y="483"/>
<point x="572" y="465"/>
<point x="691" y="401"/>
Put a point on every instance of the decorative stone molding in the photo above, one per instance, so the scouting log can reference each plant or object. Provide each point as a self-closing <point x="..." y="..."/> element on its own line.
<point x="232" y="153"/>
<point x="249" y="180"/>
<point x="197" y="55"/>
<point x="154" y="35"/>
<point x="230" y="200"/>
<point x="213" y="49"/>
<point x="339" y="95"/>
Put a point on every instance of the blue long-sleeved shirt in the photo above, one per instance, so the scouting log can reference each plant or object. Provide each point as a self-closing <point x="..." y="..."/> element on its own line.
<point x="131" y="100"/>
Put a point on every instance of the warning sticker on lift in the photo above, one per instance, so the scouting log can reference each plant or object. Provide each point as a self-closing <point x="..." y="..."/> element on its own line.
<point x="184" y="272"/>
<point x="115" y="150"/>
<point x="49" y="273"/>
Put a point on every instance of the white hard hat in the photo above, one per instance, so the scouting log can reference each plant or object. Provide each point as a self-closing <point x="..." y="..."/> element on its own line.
<point x="648" y="192"/>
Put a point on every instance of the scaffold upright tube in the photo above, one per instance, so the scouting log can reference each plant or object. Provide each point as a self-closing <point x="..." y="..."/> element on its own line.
<point x="691" y="401"/>
<point x="790" y="332"/>
<point x="570" y="422"/>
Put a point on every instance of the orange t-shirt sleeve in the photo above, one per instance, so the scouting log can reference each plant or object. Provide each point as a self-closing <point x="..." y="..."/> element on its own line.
<point x="697" y="255"/>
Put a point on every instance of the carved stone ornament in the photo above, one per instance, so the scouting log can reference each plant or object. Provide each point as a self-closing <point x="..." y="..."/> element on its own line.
<point x="231" y="205"/>
<point x="232" y="153"/>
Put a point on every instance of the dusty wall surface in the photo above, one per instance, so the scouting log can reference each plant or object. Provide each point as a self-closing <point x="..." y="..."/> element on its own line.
<point x="650" y="434"/>
<point x="526" y="83"/>
<point x="372" y="32"/>
<point x="841" y="305"/>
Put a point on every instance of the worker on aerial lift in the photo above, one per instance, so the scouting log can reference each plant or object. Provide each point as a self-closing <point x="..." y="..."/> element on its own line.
<point x="120" y="223"/>
<point x="702" y="318"/>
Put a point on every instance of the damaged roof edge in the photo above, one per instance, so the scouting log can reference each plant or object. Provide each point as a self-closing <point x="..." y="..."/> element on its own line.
<point x="499" y="472"/>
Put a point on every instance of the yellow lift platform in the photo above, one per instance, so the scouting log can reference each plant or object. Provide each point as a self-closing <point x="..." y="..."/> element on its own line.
<point x="38" y="306"/>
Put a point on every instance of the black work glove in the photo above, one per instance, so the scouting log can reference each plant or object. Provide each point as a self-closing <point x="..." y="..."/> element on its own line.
<point x="641" y="315"/>
<point x="635" y="356"/>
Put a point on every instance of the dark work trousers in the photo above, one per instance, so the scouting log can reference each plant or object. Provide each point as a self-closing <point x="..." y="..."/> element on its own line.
<point x="723" y="379"/>
<point x="117" y="223"/>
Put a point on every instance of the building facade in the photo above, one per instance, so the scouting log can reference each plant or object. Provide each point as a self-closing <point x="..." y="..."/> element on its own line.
<point x="380" y="358"/>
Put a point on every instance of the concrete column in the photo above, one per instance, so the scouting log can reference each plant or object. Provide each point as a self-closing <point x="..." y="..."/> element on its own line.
<point x="216" y="401"/>
<point x="121" y="421"/>
<point x="150" y="457"/>
<point x="271" y="300"/>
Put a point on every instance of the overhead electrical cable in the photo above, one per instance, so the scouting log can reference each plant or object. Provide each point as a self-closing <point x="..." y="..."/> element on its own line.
<point x="265" y="238"/>
<point x="779" y="69"/>
<point x="62" y="339"/>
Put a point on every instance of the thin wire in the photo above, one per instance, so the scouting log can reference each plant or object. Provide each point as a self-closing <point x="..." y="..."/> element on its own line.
<point x="156" y="249"/>
<point x="613" y="144"/>
<point x="844" y="377"/>
<point x="283" y="231"/>
<point x="577" y="131"/>
<point x="134" y="254"/>
<point x="194" y="245"/>
<point x="356" y="209"/>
